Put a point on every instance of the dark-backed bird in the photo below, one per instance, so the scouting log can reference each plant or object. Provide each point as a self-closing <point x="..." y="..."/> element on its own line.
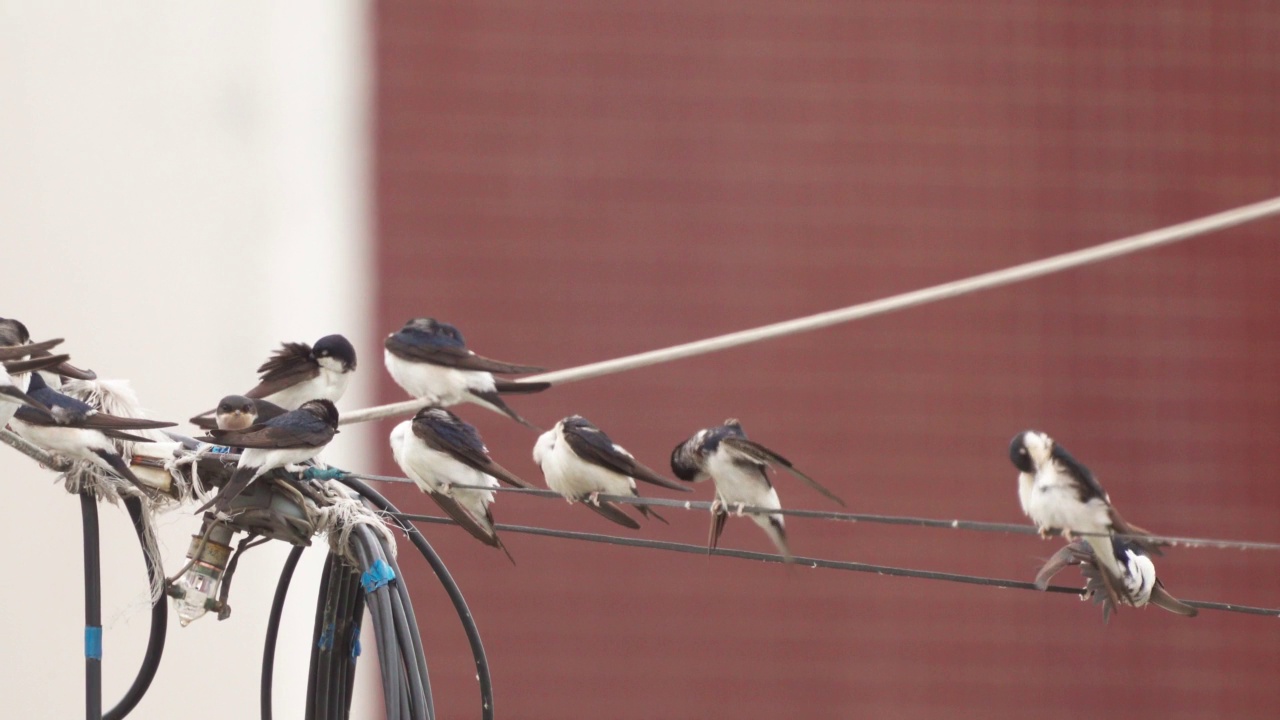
<point x="437" y="450"/>
<point x="1059" y="493"/>
<point x="11" y="396"/>
<point x="1137" y="586"/>
<point x="15" y="343"/>
<point x="740" y="470"/>
<point x="299" y="372"/>
<point x="581" y="463"/>
<point x="77" y="430"/>
<point x="237" y="412"/>
<point x="289" y="439"/>
<point x="430" y="360"/>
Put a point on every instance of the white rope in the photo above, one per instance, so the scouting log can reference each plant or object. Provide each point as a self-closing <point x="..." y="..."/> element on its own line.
<point x="986" y="281"/>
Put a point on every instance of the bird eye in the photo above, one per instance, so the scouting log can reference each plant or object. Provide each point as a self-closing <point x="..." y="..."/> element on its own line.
<point x="246" y="408"/>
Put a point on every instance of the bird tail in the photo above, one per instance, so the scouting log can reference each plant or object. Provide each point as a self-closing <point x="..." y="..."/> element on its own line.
<point x="478" y="528"/>
<point x="119" y="466"/>
<point x="649" y="512"/>
<point x="613" y="513"/>
<point x="1161" y="598"/>
<point x="492" y="400"/>
<point x="239" y="481"/>
<point x="718" y="518"/>
<point x="515" y="387"/>
<point x="777" y="532"/>
<point x="14" y="367"/>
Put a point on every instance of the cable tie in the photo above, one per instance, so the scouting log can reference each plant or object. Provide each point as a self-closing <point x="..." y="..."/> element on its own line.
<point x="326" y="638"/>
<point x="377" y="576"/>
<point x="93" y="642"/>
<point x="219" y="450"/>
<point x="317" y="473"/>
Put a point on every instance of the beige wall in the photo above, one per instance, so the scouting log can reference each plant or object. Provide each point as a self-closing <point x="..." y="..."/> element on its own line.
<point x="181" y="187"/>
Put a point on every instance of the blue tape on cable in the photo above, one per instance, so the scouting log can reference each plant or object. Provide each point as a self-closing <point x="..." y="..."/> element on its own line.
<point x="326" y="638"/>
<point x="355" y="641"/>
<point x="377" y="576"/>
<point x="93" y="642"/>
<point x="315" y="473"/>
<point x="219" y="449"/>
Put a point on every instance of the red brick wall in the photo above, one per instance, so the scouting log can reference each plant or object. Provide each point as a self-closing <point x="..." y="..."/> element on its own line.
<point x="574" y="181"/>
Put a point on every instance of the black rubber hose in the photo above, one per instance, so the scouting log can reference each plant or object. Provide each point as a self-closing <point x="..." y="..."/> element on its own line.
<point x="338" y="662"/>
<point x="159" y="624"/>
<point x="358" y="615"/>
<point x="314" y="666"/>
<point x="273" y="628"/>
<point x="446" y="581"/>
<point x="92" y="608"/>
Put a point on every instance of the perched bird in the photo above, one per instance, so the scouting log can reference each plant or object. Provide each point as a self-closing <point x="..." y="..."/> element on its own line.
<point x="11" y="396"/>
<point x="1059" y="493"/>
<point x="15" y="343"/>
<point x="237" y="412"/>
<point x="1138" y="584"/>
<point x="581" y="463"/>
<point x="289" y="439"/>
<point x="740" y="470"/>
<point x="299" y="372"/>
<point x="437" y="450"/>
<point x="75" y="429"/>
<point x="430" y="360"/>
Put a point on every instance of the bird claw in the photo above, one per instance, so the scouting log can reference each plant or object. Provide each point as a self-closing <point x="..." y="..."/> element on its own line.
<point x="738" y="509"/>
<point x="1045" y="533"/>
<point x="594" y="498"/>
<point x="1066" y="535"/>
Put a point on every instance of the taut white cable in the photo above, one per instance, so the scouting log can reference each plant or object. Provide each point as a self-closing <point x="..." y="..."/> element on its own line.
<point x="986" y="281"/>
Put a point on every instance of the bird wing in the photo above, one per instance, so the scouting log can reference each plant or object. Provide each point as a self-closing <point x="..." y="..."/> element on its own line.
<point x="460" y="441"/>
<point x="17" y="352"/>
<point x="1088" y="485"/>
<point x="421" y="347"/>
<point x="296" y="429"/>
<point x="1123" y="527"/>
<point x="36" y="363"/>
<point x="758" y="452"/>
<point x="1073" y="553"/>
<point x="593" y="446"/>
<point x="286" y="367"/>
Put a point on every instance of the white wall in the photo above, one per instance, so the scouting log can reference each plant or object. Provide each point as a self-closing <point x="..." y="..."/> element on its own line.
<point x="182" y="186"/>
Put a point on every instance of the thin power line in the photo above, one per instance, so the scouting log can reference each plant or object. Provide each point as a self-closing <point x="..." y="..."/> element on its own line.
<point x="817" y="562"/>
<point x="985" y="281"/>
<point x="975" y="525"/>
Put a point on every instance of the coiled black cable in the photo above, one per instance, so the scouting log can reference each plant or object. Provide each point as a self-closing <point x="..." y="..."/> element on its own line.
<point x="446" y="580"/>
<point x="273" y="628"/>
<point x="159" y="623"/>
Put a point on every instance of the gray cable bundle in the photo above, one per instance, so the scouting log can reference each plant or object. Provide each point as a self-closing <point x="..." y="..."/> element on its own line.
<point x="345" y="592"/>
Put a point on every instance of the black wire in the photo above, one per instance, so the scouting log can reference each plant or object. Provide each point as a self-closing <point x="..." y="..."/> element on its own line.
<point x="339" y="669"/>
<point x="450" y="587"/>
<point x="273" y="628"/>
<point x="357" y="615"/>
<point x="92" y="605"/>
<point x="313" y="680"/>
<point x="979" y="526"/>
<point x="816" y="562"/>
<point x="159" y="623"/>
